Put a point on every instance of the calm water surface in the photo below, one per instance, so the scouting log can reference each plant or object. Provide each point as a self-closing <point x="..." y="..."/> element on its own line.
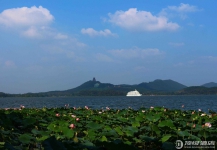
<point x="116" y="102"/>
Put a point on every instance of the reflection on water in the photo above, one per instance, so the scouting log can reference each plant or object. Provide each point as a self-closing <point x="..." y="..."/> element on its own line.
<point x="116" y="102"/>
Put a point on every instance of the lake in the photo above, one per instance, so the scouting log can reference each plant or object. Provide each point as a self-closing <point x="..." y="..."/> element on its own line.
<point x="117" y="102"/>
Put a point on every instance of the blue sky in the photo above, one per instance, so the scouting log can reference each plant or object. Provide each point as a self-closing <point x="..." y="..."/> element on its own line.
<point x="49" y="46"/>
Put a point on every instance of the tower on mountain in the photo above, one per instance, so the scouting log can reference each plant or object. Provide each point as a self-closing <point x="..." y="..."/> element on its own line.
<point x="94" y="79"/>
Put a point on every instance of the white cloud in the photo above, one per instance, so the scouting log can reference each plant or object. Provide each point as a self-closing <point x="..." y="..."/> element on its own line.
<point x="32" y="32"/>
<point x="141" y="69"/>
<point x="133" y="19"/>
<point x="178" y="64"/>
<point x="61" y="36"/>
<point x="25" y="16"/>
<point x="183" y="8"/>
<point x="9" y="63"/>
<point x="176" y="44"/>
<point x="103" y="57"/>
<point x="135" y="53"/>
<point x="30" y="22"/>
<point x="210" y="58"/>
<point x="91" y="32"/>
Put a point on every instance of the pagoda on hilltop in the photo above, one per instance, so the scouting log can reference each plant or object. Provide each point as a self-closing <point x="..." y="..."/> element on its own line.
<point x="94" y="79"/>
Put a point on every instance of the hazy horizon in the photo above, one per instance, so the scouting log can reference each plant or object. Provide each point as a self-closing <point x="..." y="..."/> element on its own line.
<point x="58" y="46"/>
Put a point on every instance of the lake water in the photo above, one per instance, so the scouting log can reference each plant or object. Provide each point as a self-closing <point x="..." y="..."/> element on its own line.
<point x="116" y="102"/>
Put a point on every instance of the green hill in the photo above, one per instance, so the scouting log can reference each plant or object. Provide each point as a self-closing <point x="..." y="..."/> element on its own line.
<point x="198" y="90"/>
<point x="3" y="94"/>
<point x="210" y="84"/>
<point x="162" y="86"/>
<point x="96" y="88"/>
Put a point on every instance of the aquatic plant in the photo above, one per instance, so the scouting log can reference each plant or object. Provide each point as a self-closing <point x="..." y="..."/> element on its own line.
<point x="86" y="128"/>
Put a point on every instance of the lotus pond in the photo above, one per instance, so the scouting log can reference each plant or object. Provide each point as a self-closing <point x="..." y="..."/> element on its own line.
<point x="103" y="129"/>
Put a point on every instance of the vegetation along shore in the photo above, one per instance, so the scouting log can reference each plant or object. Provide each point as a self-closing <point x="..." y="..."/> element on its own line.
<point x="103" y="129"/>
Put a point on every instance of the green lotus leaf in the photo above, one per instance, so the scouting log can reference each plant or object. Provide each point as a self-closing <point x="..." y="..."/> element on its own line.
<point x="156" y="129"/>
<point x="103" y="138"/>
<point x="183" y="133"/>
<point x="69" y="133"/>
<point x="43" y="124"/>
<point x="29" y="121"/>
<point x="139" y="118"/>
<point x="153" y="118"/>
<point x="112" y="133"/>
<point x="132" y="129"/>
<point x="118" y="130"/>
<point x="128" y="142"/>
<point x="25" y="138"/>
<point x="91" y="134"/>
<point x="87" y="143"/>
<point x="42" y="138"/>
<point x="35" y="131"/>
<point x="6" y="132"/>
<point x="136" y="124"/>
<point x="193" y="137"/>
<point x="147" y="138"/>
<point x="168" y="123"/>
<point x="107" y="128"/>
<point x="93" y="125"/>
<point x="165" y="138"/>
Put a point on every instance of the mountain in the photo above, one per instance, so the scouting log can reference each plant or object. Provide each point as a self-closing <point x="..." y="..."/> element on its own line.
<point x="210" y="84"/>
<point x="162" y="85"/>
<point x="3" y="94"/>
<point x="96" y="88"/>
<point x="198" y="90"/>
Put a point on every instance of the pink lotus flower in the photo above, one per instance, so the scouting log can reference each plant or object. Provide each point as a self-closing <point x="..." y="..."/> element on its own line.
<point x="107" y="108"/>
<point x="199" y="109"/>
<point x="57" y="115"/>
<point x="183" y="106"/>
<point x="86" y="107"/>
<point x="151" y="107"/>
<point x="21" y="106"/>
<point x="192" y="112"/>
<point x="73" y="116"/>
<point x="194" y="126"/>
<point x="208" y="124"/>
<point x="77" y="119"/>
<point x="74" y="108"/>
<point x="72" y="126"/>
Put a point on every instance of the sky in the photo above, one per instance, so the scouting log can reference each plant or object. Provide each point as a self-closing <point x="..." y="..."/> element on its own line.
<point x="47" y="45"/>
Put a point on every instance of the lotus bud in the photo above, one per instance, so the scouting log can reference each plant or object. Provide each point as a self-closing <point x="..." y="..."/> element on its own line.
<point x="72" y="126"/>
